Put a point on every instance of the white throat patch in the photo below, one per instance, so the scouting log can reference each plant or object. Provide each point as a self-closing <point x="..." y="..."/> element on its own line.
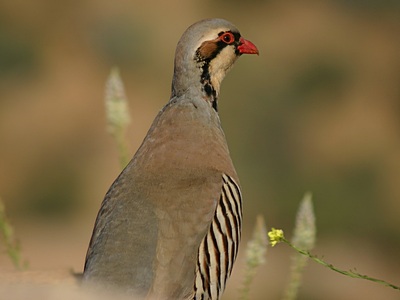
<point x="220" y="65"/>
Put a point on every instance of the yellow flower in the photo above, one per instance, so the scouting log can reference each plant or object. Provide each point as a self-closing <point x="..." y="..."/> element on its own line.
<point x="275" y="236"/>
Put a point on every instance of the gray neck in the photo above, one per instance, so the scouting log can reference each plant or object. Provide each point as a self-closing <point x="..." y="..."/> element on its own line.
<point x="194" y="81"/>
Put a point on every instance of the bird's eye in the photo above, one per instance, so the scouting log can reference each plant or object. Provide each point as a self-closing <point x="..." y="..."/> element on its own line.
<point x="227" y="38"/>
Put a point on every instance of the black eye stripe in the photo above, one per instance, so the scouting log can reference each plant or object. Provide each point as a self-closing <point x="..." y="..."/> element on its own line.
<point x="207" y="56"/>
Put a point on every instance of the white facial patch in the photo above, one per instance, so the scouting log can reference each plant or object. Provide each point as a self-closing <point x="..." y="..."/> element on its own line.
<point x="220" y="65"/>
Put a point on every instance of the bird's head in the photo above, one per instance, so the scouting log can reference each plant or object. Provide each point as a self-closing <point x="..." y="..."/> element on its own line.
<point x="204" y="54"/>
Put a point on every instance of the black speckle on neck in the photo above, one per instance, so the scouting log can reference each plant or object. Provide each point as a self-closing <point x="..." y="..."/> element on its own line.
<point x="207" y="86"/>
<point x="204" y="55"/>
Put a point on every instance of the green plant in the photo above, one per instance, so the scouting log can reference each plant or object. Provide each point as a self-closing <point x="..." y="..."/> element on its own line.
<point x="117" y="113"/>
<point x="7" y="236"/>
<point x="277" y="236"/>
<point x="255" y="256"/>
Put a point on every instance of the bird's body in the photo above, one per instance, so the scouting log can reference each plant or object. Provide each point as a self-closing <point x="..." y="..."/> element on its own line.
<point x="169" y="226"/>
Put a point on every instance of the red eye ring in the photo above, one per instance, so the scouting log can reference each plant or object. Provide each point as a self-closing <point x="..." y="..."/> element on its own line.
<point x="227" y="38"/>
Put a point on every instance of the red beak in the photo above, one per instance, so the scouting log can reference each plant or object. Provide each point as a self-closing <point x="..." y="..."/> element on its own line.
<point x="247" y="47"/>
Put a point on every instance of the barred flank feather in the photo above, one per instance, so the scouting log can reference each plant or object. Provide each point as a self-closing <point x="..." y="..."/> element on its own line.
<point x="219" y="248"/>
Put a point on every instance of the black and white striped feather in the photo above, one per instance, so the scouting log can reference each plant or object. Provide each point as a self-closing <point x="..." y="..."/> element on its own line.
<point x="219" y="248"/>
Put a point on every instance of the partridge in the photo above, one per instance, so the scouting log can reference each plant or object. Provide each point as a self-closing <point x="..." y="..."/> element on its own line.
<point x="170" y="225"/>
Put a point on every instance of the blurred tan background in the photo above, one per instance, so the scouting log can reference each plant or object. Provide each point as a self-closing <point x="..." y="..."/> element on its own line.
<point x="318" y="110"/>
